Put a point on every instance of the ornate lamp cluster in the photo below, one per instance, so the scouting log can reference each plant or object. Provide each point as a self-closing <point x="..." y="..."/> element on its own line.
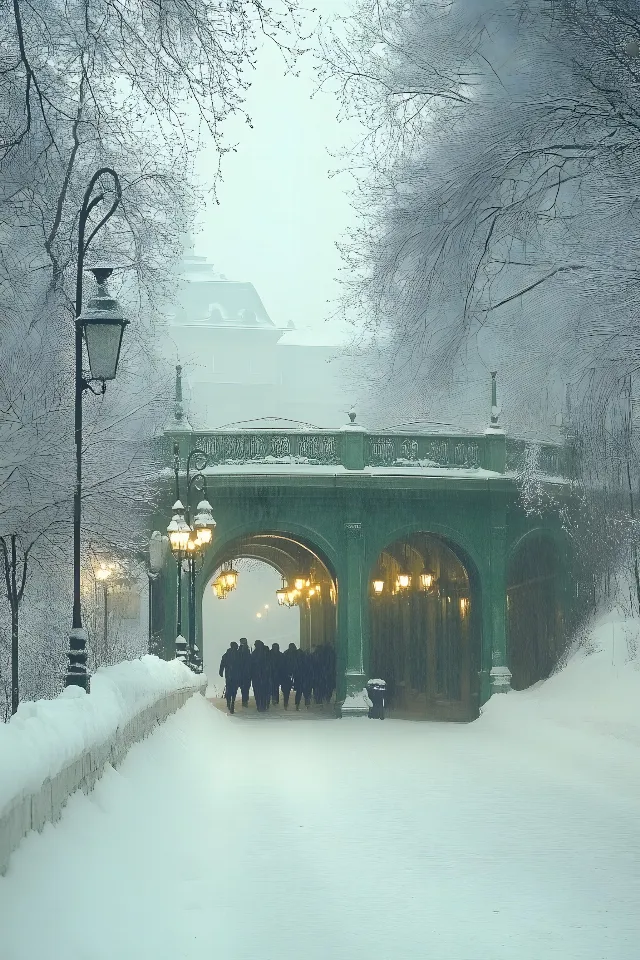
<point x="402" y="583"/>
<point x="302" y="589"/>
<point x="425" y="582"/>
<point x="188" y="541"/>
<point x="185" y="539"/>
<point x="226" y="581"/>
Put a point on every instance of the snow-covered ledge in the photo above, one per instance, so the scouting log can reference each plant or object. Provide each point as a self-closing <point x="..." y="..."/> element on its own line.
<point x="51" y="748"/>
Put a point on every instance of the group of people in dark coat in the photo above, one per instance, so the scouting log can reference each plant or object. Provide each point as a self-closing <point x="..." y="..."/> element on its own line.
<point x="270" y="670"/>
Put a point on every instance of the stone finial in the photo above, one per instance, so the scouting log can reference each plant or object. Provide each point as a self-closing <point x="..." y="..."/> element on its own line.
<point x="495" y="409"/>
<point x="179" y="411"/>
<point x="352" y="416"/>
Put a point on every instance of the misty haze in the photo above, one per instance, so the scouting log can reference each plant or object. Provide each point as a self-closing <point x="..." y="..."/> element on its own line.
<point x="319" y="482"/>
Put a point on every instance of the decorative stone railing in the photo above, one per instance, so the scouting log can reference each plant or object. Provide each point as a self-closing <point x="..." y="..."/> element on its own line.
<point x="356" y="449"/>
<point x="30" y="806"/>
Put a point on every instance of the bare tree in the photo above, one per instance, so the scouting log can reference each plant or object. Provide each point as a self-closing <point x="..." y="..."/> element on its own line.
<point x="85" y="85"/>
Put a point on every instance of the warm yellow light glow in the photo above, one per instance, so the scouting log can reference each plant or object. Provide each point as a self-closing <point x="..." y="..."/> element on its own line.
<point x="266" y="606"/>
<point x="231" y="578"/>
<point x="205" y="536"/>
<point x="299" y="583"/>
<point x="179" y="538"/>
<point x="426" y="581"/>
<point x="103" y="572"/>
<point x="464" y="605"/>
<point x="259" y="616"/>
<point x="378" y="586"/>
<point x="404" y="581"/>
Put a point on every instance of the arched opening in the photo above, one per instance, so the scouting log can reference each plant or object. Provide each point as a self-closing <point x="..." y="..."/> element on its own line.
<point x="425" y="629"/>
<point x="535" y="628"/>
<point x="272" y="588"/>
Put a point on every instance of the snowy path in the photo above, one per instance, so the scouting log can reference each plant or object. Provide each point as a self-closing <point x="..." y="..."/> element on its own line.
<point x="218" y="838"/>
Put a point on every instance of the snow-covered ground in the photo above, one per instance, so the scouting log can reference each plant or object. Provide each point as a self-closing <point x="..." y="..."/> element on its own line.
<point x="516" y="837"/>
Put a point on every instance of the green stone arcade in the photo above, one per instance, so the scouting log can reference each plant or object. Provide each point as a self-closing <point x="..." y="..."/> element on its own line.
<point x="431" y="575"/>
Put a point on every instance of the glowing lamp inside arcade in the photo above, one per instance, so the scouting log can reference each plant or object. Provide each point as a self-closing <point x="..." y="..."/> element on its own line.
<point x="378" y="587"/>
<point x="404" y="581"/>
<point x="299" y="583"/>
<point x="426" y="581"/>
<point x="464" y="606"/>
<point x="231" y="579"/>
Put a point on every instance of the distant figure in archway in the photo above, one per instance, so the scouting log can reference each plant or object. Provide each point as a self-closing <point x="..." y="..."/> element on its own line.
<point x="244" y="670"/>
<point x="303" y="678"/>
<point x="261" y="676"/>
<point x="288" y="666"/>
<point x="275" y="664"/>
<point x="229" y="668"/>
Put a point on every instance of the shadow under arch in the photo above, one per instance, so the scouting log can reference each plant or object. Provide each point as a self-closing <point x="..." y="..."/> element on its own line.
<point x="427" y="635"/>
<point x="536" y="628"/>
<point x="308" y="538"/>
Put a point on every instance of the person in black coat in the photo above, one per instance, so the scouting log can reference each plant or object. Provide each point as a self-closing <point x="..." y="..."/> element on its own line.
<point x="275" y="663"/>
<point x="303" y="678"/>
<point x="244" y="670"/>
<point x="229" y="667"/>
<point x="288" y="661"/>
<point x="261" y="675"/>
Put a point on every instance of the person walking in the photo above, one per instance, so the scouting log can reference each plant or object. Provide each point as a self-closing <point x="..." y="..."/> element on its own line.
<point x="275" y="664"/>
<point x="244" y="670"/>
<point x="260" y="676"/>
<point x="303" y="678"/>
<point x="229" y="668"/>
<point x="317" y="674"/>
<point x="288" y="665"/>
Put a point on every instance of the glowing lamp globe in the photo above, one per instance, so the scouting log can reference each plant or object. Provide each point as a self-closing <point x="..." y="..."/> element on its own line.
<point x="103" y="324"/>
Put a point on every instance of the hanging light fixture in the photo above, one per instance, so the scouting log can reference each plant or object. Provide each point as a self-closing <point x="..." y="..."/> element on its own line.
<point x="378" y="587"/>
<point x="219" y="589"/>
<point x="300" y="582"/>
<point x="230" y="577"/>
<point x="281" y="595"/>
<point x="404" y="581"/>
<point x="426" y="581"/>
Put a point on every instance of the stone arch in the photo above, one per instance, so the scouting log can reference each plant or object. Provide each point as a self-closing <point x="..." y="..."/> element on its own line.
<point x="432" y="636"/>
<point x="535" y="605"/>
<point x="456" y="540"/>
<point x="308" y="537"/>
<point x="318" y="619"/>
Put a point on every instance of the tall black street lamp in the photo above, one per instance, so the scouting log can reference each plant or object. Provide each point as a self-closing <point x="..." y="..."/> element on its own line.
<point x="101" y="326"/>
<point x="188" y="541"/>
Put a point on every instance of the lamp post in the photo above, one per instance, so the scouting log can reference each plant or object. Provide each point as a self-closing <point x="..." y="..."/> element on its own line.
<point x="103" y="573"/>
<point x="101" y="327"/>
<point x="188" y="542"/>
<point x="158" y="546"/>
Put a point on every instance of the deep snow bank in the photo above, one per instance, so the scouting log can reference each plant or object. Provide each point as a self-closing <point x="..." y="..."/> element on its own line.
<point x="583" y="721"/>
<point x="46" y="735"/>
<point x="597" y="690"/>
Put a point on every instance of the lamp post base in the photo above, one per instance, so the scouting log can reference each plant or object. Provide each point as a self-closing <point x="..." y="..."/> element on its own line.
<point x="182" y="652"/>
<point x="195" y="660"/>
<point x="77" y="673"/>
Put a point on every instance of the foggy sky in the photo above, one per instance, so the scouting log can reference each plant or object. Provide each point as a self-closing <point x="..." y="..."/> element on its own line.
<point x="280" y="215"/>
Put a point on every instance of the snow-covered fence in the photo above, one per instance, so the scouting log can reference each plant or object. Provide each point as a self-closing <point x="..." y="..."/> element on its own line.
<point x="51" y="748"/>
